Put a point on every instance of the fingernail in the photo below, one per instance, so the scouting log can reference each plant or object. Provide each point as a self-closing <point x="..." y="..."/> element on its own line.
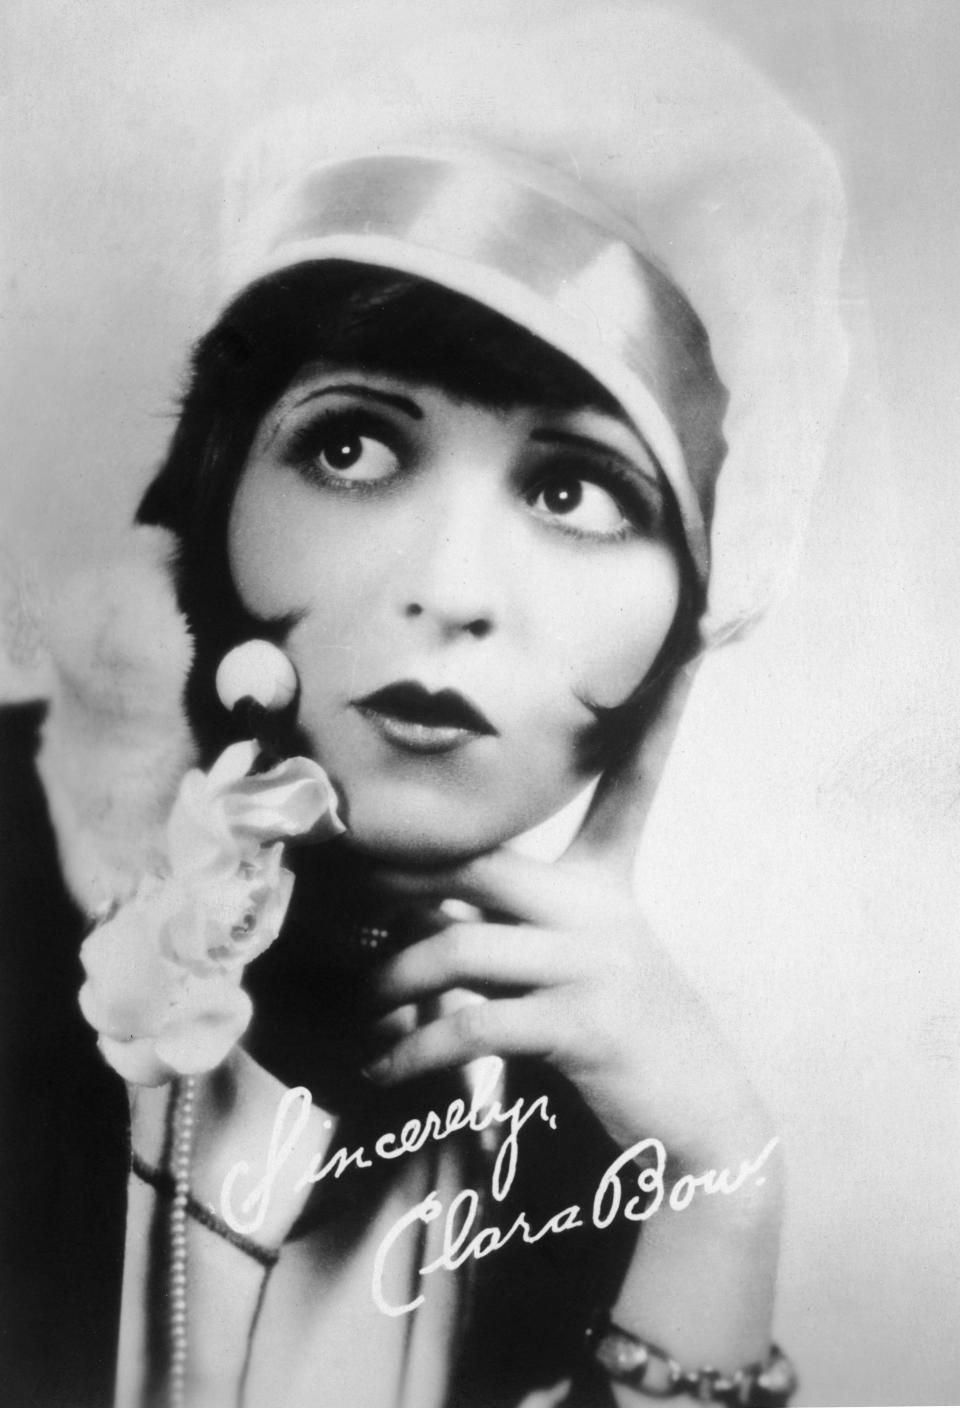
<point x="376" y="1071"/>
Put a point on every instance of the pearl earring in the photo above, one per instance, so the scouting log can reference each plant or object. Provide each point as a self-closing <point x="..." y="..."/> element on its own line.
<point x="256" y="672"/>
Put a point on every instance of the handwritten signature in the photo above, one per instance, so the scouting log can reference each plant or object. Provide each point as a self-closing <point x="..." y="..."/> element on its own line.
<point x="460" y="1246"/>
<point x="644" y="1163"/>
<point x="484" y="1112"/>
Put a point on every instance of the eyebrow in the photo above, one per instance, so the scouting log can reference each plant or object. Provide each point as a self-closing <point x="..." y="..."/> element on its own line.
<point x="587" y="442"/>
<point x="351" y="388"/>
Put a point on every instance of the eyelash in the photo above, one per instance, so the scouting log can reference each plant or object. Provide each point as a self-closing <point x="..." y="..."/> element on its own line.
<point x="642" y="506"/>
<point x="307" y="442"/>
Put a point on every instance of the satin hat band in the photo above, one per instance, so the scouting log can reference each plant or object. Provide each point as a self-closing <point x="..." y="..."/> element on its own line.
<point x="558" y="266"/>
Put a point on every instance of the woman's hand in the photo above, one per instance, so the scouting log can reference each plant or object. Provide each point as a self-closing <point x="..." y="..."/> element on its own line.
<point x="573" y="975"/>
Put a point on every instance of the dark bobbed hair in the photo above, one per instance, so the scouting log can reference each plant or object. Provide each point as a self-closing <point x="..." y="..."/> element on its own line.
<point x="386" y="322"/>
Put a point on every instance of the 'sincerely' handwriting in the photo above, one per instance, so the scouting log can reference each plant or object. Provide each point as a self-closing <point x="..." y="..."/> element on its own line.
<point x="293" y="1112"/>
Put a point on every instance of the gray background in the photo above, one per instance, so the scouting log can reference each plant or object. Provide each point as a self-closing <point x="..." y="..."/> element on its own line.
<point x="802" y="861"/>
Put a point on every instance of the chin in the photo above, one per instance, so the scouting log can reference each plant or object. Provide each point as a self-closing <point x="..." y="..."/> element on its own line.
<point x="422" y="841"/>
<point x="416" y="851"/>
<point x="425" y="830"/>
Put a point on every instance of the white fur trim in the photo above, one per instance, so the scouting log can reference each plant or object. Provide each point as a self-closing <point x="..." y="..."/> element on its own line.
<point x="116" y="741"/>
<point x="24" y="666"/>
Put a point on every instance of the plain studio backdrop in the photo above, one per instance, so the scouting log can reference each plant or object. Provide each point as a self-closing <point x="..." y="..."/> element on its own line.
<point x="802" y="861"/>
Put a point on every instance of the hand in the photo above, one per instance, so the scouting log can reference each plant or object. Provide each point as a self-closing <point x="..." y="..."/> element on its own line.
<point x="573" y="975"/>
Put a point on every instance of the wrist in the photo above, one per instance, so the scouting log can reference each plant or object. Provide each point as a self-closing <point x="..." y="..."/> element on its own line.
<point x="734" y="1179"/>
<point x="702" y="1280"/>
<point x="768" y="1382"/>
<point x="738" y="1134"/>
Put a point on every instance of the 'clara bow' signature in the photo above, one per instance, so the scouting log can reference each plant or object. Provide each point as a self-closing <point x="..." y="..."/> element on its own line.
<point x="644" y="1163"/>
<point x="647" y="1160"/>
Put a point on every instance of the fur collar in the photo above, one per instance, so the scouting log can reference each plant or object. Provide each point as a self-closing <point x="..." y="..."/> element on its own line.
<point x="108" y="648"/>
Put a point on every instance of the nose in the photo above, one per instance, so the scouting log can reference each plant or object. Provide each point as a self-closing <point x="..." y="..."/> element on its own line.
<point x="452" y="579"/>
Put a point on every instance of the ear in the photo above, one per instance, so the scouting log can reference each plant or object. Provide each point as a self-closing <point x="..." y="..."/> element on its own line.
<point x="613" y="825"/>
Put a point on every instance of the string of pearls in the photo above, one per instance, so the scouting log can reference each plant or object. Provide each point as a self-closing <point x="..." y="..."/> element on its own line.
<point x="184" y="1119"/>
<point x="260" y="675"/>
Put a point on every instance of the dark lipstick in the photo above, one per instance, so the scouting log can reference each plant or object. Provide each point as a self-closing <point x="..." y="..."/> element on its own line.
<point x="411" y="716"/>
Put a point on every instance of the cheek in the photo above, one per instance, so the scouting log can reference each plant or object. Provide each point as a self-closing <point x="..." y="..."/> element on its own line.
<point x="611" y="619"/>
<point x="283" y="556"/>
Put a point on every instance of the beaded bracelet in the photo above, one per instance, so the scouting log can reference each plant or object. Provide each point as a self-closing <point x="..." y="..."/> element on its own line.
<point x="651" y="1371"/>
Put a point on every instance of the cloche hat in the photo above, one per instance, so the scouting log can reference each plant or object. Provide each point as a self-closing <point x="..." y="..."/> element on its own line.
<point x="608" y="180"/>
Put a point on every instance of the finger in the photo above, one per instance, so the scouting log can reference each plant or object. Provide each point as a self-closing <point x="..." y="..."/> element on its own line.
<point x="383" y="1034"/>
<point x="519" y="1026"/>
<point x="621" y="804"/>
<point x="482" y="957"/>
<point x="395" y="1024"/>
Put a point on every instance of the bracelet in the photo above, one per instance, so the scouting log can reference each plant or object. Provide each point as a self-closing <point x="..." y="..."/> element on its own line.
<point x="651" y="1371"/>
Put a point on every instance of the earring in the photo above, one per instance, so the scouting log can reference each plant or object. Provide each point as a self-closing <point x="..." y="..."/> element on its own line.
<point x="257" y="673"/>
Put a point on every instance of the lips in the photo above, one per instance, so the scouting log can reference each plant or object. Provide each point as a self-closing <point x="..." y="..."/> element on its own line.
<point x="411" y="716"/>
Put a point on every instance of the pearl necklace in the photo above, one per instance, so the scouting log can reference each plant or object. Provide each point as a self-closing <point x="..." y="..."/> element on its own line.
<point x="184" y="1123"/>
<point x="365" y="937"/>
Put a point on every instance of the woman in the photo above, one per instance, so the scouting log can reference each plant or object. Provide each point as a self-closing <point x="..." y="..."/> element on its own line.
<point x="451" y="446"/>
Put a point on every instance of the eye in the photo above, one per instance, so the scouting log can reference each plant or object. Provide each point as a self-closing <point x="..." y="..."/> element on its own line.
<point x="342" y="451"/>
<point x="580" y="506"/>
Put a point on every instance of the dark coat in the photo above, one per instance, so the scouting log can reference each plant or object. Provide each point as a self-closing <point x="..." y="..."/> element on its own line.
<point x="64" y="1158"/>
<point x="63" y="1121"/>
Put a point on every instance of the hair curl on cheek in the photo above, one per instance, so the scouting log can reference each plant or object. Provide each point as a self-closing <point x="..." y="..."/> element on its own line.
<point x="617" y="728"/>
<point x="385" y="322"/>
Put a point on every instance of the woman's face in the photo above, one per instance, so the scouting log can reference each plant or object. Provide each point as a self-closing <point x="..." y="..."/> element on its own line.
<point x="464" y="583"/>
